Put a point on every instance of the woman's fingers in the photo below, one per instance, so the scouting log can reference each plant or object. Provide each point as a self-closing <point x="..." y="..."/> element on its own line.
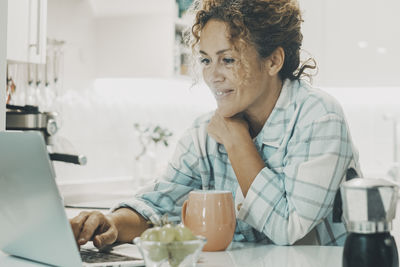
<point x="91" y="224"/>
<point x="106" y="238"/>
<point x="78" y="222"/>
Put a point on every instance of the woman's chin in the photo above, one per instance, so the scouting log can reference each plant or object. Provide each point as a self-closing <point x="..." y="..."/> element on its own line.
<point x="227" y="113"/>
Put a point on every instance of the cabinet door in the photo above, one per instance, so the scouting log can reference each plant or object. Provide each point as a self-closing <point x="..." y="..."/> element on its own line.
<point x="26" y="31"/>
<point x="17" y="30"/>
<point x="37" y="31"/>
<point x="3" y="49"/>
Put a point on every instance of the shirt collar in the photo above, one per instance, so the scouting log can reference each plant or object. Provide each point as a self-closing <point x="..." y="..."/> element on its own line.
<point x="273" y="129"/>
<point x="277" y="123"/>
<point x="286" y="96"/>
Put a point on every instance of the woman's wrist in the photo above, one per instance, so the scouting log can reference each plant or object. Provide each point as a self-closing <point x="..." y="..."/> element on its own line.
<point x="128" y="223"/>
<point x="237" y="140"/>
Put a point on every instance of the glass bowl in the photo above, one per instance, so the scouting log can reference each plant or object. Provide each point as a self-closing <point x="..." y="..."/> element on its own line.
<point x="173" y="254"/>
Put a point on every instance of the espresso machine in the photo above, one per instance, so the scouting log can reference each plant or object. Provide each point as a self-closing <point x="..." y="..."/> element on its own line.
<point x="369" y="207"/>
<point x="29" y="118"/>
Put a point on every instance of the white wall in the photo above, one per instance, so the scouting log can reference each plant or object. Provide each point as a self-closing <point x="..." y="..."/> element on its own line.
<point x="313" y="34"/>
<point x="106" y="8"/>
<point x="99" y="123"/>
<point x="3" y="53"/>
<point x="356" y="42"/>
<point x="138" y="46"/>
<point x="110" y="142"/>
<point x="352" y="48"/>
<point x="134" y="46"/>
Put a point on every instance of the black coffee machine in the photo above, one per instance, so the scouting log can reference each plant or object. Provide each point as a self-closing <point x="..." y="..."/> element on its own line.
<point x="369" y="206"/>
<point x="29" y="118"/>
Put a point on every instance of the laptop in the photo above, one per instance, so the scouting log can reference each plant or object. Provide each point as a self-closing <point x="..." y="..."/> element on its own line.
<point x="33" y="222"/>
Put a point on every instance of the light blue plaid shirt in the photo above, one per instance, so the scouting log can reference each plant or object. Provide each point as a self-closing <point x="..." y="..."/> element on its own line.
<point x="306" y="147"/>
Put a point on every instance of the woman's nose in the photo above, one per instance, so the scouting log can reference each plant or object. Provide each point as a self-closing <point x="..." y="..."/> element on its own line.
<point x="216" y="74"/>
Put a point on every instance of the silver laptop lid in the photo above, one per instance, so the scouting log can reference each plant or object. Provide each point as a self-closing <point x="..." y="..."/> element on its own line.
<point x="33" y="223"/>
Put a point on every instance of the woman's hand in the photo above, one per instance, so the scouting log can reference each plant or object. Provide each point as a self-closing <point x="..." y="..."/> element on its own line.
<point x="228" y="131"/>
<point x="121" y="225"/>
<point x="234" y="134"/>
<point x="94" y="226"/>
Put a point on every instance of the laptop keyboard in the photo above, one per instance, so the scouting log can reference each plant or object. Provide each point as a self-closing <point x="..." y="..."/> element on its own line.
<point x="93" y="256"/>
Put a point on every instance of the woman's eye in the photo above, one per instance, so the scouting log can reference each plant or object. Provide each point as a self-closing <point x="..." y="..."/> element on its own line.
<point x="204" y="61"/>
<point x="228" y="60"/>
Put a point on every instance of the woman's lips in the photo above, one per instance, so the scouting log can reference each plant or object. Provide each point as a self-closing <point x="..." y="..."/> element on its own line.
<point x="221" y="94"/>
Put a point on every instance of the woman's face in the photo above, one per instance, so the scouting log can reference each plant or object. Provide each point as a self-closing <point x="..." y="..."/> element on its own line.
<point x="224" y="73"/>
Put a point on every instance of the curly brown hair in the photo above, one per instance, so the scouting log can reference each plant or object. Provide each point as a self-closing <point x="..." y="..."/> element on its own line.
<point x="266" y="24"/>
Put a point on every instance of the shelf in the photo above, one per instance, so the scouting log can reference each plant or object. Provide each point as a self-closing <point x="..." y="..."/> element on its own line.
<point x="182" y="52"/>
<point x="181" y="24"/>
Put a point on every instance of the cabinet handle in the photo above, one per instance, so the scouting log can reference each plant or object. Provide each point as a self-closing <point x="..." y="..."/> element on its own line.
<point x="38" y="19"/>
<point x="38" y="24"/>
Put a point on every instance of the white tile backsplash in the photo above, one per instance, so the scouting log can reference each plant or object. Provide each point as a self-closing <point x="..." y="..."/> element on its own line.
<point x="98" y="123"/>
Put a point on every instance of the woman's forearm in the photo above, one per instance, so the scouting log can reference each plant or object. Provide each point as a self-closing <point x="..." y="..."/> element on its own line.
<point x="246" y="162"/>
<point x="129" y="223"/>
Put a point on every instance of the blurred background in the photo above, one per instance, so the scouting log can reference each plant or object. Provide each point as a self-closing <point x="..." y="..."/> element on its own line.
<point x="116" y="74"/>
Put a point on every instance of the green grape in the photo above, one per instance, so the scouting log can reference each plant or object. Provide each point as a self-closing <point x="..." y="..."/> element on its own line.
<point x="151" y="234"/>
<point x="177" y="253"/>
<point x="190" y="248"/>
<point x="157" y="252"/>
<point x="183" y="233"/>
<point x="167" y="233"/>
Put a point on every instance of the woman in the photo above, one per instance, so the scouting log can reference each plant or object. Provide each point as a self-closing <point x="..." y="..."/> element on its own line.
<point x="281" y="147"/>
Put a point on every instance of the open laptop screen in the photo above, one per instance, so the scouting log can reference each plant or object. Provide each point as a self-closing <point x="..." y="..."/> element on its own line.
<point x="33" y="222"/>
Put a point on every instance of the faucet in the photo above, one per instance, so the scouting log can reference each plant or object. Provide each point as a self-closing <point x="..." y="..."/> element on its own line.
<point x="394" y="171"/>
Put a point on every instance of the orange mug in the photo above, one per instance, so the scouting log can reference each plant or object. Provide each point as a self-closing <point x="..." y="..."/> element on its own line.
<point x="211" y="213"/>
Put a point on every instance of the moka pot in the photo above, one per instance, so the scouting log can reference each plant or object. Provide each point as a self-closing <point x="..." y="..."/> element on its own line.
<point x="369" y="207"/>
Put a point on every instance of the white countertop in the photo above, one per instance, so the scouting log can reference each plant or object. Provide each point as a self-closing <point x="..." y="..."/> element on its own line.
<point x="248" y="254"/>
<point x="240" y="254"/>
<point x="245" y="254"/>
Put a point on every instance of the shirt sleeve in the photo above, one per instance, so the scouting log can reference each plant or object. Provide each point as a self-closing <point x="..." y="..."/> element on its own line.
<point x="166" y="196"/>
<point x="285" y="205"/>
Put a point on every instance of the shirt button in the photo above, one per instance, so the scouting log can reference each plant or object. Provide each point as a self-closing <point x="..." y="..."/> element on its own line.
<point x="239" y="206"/>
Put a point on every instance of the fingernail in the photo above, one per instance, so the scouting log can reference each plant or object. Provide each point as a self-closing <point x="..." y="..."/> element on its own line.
<point x="81" y="241"/>
<point x="98" y="241"/>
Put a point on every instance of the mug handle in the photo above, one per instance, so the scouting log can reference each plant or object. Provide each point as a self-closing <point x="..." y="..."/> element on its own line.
<point x="183" y="213"/>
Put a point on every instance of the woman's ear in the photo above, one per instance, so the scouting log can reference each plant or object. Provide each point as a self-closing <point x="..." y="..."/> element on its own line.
<point x="274" y="62"/>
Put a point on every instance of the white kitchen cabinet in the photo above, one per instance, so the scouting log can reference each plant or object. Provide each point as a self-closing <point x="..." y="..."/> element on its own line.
<point x="26" y="31"/>
<point x="3" y="44"/>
